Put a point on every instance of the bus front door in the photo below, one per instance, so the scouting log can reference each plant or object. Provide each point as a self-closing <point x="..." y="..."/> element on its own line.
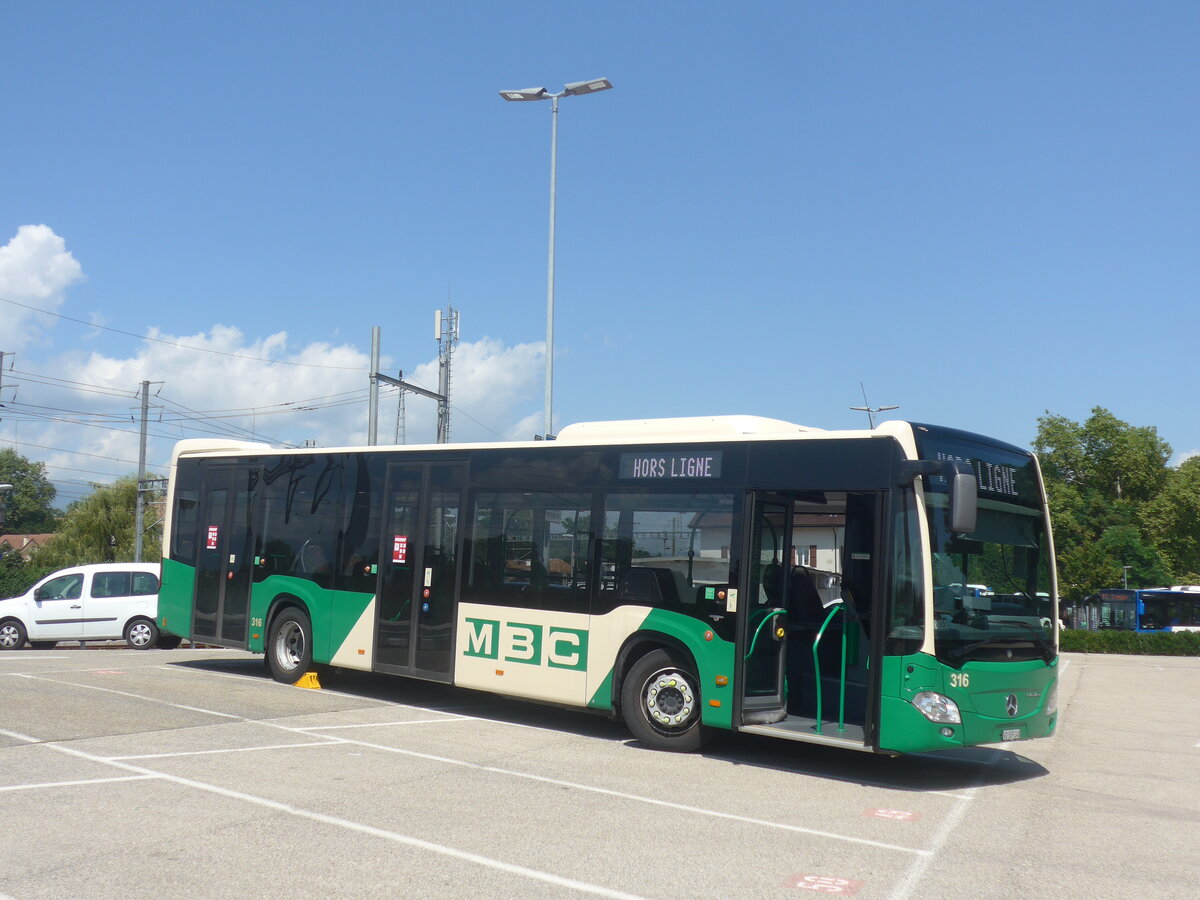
<point x="418" y="572"/>
<point x="225" y="561"/>
<point x="763" y="615"/>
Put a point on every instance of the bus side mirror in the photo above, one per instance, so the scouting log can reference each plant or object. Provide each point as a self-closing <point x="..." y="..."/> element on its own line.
<point x="960" y="478"/>
<point x="964" y="503"/>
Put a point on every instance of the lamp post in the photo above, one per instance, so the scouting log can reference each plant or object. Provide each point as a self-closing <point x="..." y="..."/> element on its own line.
<point x="1125" y="576"/>
<point x="575" y="89"/>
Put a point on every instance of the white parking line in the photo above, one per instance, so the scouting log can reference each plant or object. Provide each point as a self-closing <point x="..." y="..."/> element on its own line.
<point x="349" y="825"/>
<point x="445" y="760"/>
<point x="57" y="784"/>
<point x="104" y="690"/>
<point x="448" y="718"/>
<point x="638" y="798"/>
<point x="916" y="871"/>
<point x="327" y="743"/>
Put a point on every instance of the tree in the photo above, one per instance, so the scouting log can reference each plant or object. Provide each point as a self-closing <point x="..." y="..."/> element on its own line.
<point x="29" y="503"/>
<point x="1102" y="479"/>
<point x="98" y="529"/>
<point x="1104" y="455"/>
<point x="1173" y="519"/>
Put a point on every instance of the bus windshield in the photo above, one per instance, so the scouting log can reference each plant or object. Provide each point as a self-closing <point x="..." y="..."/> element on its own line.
<point x="991" y="588"/>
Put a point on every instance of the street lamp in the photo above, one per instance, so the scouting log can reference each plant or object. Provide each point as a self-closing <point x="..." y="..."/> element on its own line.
<point x="575" y="89"/>
<point x="1125" y="576"/>
<point x="871" y="410"/>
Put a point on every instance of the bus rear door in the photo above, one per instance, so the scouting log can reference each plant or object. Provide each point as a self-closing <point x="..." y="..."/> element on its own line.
<point x="225" y="563"/>
<point x="418" y="572"/>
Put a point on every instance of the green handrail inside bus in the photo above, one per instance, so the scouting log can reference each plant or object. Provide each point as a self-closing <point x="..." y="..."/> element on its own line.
<point x="840" y="608"/>
<point x="765" y="619"/>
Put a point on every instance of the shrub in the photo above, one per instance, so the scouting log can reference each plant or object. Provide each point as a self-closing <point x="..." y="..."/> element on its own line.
<point x="1182" y="643"/>
<point x="18" y="576"/>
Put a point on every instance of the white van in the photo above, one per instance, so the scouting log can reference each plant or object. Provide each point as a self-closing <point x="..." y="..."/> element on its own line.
<point x="100" y="602"/>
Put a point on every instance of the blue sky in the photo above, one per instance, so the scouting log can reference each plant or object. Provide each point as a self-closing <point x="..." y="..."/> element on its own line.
<point x="979" y="211"/>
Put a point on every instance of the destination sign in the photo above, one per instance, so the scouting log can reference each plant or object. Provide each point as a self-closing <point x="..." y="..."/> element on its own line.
<point x="1002" y="472"/>
<point x="993" y="478"/>
<point x="670" y="464"/>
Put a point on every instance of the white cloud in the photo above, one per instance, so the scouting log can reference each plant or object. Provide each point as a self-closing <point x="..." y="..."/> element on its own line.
<point x="234" y="392"/>
<point x="1183" y="456"/>
<point x="36" y="268"/>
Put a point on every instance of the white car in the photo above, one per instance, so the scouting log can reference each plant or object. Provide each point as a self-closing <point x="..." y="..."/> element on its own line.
<point x="99" y="602"/>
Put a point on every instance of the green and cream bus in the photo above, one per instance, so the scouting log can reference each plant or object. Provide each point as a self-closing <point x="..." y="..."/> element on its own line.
<point x="686" y="575"/>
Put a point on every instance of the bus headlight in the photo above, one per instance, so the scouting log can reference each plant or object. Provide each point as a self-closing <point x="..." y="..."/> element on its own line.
<point x="937" y="707"/>
<point x="1052" y="700"/>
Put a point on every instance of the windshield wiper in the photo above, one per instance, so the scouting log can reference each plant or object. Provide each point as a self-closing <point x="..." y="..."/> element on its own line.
<point x="961" y="651"/>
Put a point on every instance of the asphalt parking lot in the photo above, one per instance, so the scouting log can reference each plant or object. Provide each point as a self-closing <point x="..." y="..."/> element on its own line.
<point x="189" y="773"/>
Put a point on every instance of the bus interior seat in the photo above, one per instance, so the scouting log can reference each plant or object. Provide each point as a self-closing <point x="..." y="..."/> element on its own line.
<point x="805" y="599"/>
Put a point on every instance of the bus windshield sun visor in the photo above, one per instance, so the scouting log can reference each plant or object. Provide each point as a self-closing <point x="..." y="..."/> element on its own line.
<point x="964" y="488"/>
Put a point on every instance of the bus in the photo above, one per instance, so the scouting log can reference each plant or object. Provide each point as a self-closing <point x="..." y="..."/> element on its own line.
<point x="1175" y="608"/>
<point x="684" y="575"/>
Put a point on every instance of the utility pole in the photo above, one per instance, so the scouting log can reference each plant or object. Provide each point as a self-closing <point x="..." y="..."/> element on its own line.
<point x="442" y="399"/>
<point x="446" y="334"/>
<point x="373" y="403"/>
<point x="139" y="518"/>
<point x="143" y="485"/>
<point x="2" y="355"/>
<point x="401" y="438"/>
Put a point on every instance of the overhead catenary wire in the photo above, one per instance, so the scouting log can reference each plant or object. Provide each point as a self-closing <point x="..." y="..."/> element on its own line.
<point x="146" y="337"/>
<point x="175" y="419"/>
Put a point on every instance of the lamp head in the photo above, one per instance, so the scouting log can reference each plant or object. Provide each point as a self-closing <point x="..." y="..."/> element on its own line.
<point x="587" y="87"/>
<point x="533" y="93"/>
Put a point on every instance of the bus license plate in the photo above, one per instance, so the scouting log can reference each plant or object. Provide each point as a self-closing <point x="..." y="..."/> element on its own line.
<point x="1010" y="734"/>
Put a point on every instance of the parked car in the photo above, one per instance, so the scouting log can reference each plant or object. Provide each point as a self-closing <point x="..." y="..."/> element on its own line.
<point x="99" y="602"/>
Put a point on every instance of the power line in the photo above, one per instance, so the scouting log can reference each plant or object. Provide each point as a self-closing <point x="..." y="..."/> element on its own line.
<point x="146" y="337"/>
<point x="82" y="387"/>
<point x="132" y="462"/>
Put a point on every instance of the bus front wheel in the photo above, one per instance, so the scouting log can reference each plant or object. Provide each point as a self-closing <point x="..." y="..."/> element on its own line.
<point x="289" y="646"/>
<point x="660" y="703"/>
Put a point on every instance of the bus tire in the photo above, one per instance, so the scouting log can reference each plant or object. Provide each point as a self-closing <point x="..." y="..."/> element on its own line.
<point x="660" y="702"/>
<point x="141" y="634"/>
<point x="289" y="646"/>
<point x="43" y="645"/>
<point x="169" y="641"/>
<point x="12" y="635"/>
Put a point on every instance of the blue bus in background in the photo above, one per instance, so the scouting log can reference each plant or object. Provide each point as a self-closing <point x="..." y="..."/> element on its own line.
<point x="1126" y="609"/>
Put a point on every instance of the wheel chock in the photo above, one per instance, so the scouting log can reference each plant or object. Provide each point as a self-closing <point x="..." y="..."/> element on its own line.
<point x="309" y="680"/>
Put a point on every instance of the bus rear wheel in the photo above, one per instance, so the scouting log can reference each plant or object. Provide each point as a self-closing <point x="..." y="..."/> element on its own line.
<point x="660" y="703"/>
<point x="289" y="646"/>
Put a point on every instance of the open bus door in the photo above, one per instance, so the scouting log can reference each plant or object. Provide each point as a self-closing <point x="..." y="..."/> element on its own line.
<point x="804" y="647"/>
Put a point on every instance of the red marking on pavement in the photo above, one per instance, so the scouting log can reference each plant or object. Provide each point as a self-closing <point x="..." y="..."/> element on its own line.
<point x="825" y="884"/>
<point x="896" y="815"/>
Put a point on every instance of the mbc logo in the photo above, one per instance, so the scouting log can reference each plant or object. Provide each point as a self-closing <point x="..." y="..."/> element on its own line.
<point x="534" y="645"/>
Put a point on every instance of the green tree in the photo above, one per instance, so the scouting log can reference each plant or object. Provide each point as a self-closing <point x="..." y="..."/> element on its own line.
<point x="1102" y="477"/>
<point x="1104" y="455"/>
<point x="100" y="528"/>
<point x="1173" y="519"/>
<point x="29" y="504"/>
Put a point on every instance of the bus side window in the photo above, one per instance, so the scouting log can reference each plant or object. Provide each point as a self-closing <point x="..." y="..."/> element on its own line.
<point x="663" y="550"/>
<point x="531" y="549"/>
